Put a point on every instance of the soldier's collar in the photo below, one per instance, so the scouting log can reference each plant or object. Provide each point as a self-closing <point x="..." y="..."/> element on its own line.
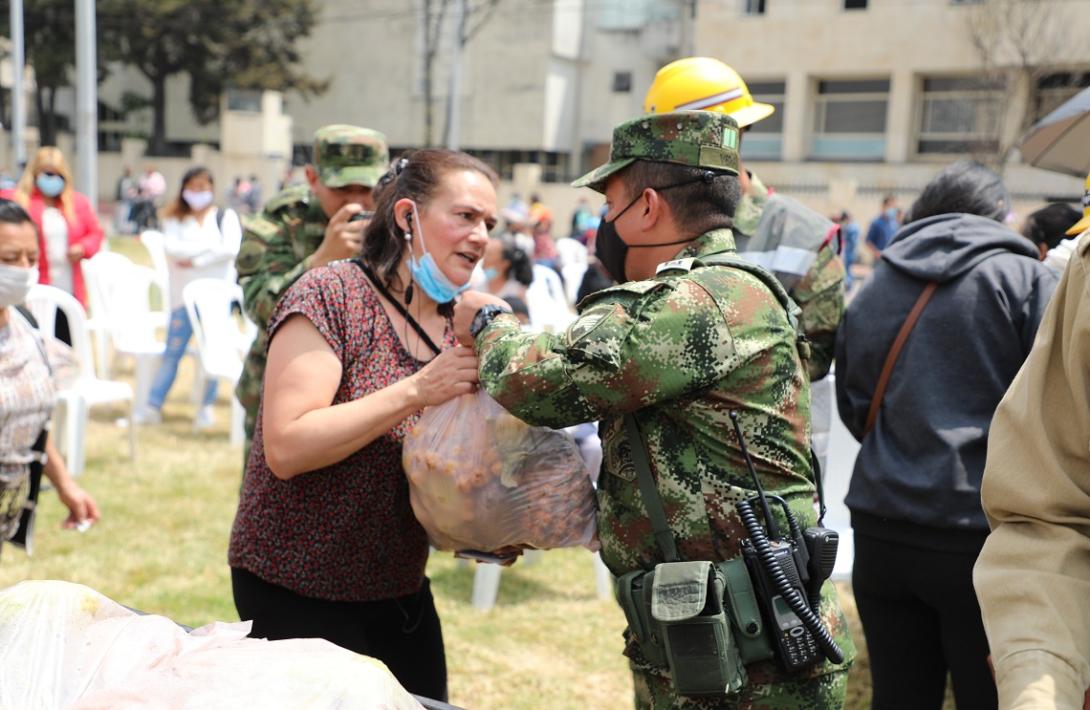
<point x="713" y="242"/>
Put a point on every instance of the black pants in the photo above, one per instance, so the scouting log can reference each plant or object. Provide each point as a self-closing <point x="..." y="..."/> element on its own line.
<point x="403" y="633"/>
<point x="921" y="620"/>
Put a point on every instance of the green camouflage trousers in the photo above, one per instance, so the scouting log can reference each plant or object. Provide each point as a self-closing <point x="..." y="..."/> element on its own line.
<point x="655" y="691"/>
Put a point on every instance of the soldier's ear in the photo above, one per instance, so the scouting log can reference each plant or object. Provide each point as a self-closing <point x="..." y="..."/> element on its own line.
<point x="653" y="205"/>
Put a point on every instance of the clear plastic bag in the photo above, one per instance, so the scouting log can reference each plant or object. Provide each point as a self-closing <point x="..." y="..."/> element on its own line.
<point x="482" y="479"/>
<point x="64" y="645"/>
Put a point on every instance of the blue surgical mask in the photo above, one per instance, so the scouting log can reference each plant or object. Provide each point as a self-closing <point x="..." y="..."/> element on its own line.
<point x="426" y="273"/>
<point x="50" y="185"/>
<point x="490" y="274"/>
<point x="891" y="214"/>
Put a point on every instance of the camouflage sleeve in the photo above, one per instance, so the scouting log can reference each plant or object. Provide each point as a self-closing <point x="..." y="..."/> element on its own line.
<point x="636" y="345"/>
<point x="820" y="295"/>
<point x="266" y="266"/>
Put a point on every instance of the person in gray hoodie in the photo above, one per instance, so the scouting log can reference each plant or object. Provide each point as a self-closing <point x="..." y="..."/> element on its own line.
<point x="915" y="489"/>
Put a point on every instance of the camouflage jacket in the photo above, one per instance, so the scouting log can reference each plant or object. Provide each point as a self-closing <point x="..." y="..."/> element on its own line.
<point x="275" y="246"/>
<point x="680" y="350"/>
<point x="820" y="293"/>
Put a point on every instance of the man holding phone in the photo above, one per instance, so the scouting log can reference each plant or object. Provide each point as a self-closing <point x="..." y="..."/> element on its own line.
<point x="304" y="227"/>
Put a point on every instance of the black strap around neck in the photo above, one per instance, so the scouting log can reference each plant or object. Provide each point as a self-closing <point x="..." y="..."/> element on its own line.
<point x="397" y="305"/>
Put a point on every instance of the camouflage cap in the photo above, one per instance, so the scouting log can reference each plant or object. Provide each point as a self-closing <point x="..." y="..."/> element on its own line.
<point x="700" y="139"/>
<point x="350" y="155"/>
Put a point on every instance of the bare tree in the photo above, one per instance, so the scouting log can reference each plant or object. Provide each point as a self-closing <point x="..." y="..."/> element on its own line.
<point x="475" y="17"/>
<point x="1019" y="42"/>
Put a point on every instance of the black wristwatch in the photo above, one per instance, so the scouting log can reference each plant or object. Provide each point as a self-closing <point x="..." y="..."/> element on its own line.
<point x="484" y="317"/>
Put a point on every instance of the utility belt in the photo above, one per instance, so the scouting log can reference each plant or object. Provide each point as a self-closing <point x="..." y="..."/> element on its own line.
<point x="706" y="621"/>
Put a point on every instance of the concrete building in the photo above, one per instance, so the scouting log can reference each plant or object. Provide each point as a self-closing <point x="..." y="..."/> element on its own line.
<point x="874" y="95"/>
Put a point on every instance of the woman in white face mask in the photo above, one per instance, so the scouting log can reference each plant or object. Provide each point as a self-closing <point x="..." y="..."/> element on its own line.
<point x="68" y="228"/>
<point x="201" y="242"/>
<point x="27" y="393"/>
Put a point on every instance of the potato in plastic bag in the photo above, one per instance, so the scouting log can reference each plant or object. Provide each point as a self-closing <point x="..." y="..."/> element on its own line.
<point x="482" y="479"/>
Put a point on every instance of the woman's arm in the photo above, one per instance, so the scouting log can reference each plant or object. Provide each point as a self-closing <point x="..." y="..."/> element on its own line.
<point x="226" y="248"/>
<point x="91" y="238"/>
<point x="81" y="506"/>
<point x="304" y="431"/>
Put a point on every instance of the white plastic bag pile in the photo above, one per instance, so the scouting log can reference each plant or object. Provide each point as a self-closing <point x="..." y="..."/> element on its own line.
<point x="64" y="645"/>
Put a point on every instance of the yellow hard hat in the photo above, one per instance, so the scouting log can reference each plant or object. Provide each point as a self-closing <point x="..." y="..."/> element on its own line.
<point x="1083" y="224"/>
<point x="704" y="84"/>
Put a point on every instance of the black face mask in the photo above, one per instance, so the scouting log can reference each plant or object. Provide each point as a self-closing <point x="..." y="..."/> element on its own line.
<point x="612" y="251"/>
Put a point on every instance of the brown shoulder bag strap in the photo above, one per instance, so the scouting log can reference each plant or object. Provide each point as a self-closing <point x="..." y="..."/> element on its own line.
<point x="895" y="352"/>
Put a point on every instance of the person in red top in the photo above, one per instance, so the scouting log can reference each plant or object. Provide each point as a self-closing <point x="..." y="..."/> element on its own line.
<point x="325" y="543"/>
<point x="68" y="228"/>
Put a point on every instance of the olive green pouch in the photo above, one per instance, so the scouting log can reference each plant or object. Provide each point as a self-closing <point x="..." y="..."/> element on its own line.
<point x="687" y="603"/>
<point x="634" y="596"/>
<point x="741" y="601"/>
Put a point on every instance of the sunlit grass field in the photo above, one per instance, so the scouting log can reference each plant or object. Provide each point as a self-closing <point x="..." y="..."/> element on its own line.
<point x="161" y="547"/>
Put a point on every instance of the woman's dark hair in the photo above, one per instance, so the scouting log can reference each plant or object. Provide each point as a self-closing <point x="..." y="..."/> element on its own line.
<point x="964" y="187"/>
<point x="416" y="175"/>
<point x="1049" y="225"/>
<point x="11" y="212"/>
<point x="522" y="268"/>
<point x="178" y="207"/>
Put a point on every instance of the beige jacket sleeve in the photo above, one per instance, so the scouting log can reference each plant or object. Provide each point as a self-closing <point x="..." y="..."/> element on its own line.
<point x="1033" y="575"/>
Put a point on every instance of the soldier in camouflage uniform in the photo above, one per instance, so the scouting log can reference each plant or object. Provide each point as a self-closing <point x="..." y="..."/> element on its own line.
<point x="702" y="83"/>
<point x="680" y="347"/>
<point x="304" y="227"/>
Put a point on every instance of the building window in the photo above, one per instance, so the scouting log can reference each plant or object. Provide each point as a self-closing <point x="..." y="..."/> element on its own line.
<point x="855" y="4"/>
<point x="622" y="82"/>
<point x="764" y="139"/>
<point x="753" y="7"/>
<point x="850" y="120"/>
<point x="555" y="167"/>
<point x="244" y="100"/>
<point x="1055" y="89"/>
<point x="960" y="115"/>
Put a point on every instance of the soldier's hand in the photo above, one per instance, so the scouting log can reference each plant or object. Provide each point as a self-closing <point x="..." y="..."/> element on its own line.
<point x="466" y="308"/>
<point x="343" y="239"/>
<point x="451" y="373"/>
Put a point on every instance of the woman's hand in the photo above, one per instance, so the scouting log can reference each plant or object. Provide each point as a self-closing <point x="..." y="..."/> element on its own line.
<point x="75" y="253"/>
<point x="81" y="506"/>
<point x="449" y="374"/>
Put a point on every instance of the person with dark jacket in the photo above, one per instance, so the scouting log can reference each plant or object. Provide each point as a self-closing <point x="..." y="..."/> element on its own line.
<point x="915" y="490"/>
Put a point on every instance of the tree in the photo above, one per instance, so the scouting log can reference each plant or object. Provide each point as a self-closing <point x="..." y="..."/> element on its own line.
<point x="219" y="44"/>
<point x="475" y="15"/>
<point x="1019" y="42"/>
<point x="50" y="48"/>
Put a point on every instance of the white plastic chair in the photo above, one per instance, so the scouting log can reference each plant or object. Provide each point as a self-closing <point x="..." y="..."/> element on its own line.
<point x="547" y="301"/>
<point x="841" y="452"/>
<point x="569" y="251"/>
<point x="573" y="279"/>
<point x="120" y="297"/>
<point x="153" y="242"/>
<point x="88" y="390"/>
<point x="221" y="344"/>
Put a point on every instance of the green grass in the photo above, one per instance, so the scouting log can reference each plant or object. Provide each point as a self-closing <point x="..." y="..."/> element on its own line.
<point x="161" y="547"/>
